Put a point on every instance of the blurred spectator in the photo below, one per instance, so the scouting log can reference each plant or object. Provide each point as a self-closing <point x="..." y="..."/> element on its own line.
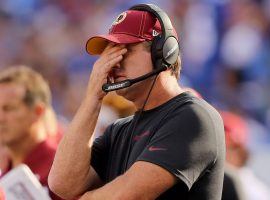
<point x="54" y="128"/>
<point x="107" y="116"/>
<point x="121" y="105"/>
<point x="237" y="156"/>
<point x="232" y="187"/>
<point x="24" y="100"/>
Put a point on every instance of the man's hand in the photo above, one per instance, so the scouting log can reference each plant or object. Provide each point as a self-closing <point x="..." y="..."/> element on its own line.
<point x="110" y="57"/>
<point x="73" y="155"/>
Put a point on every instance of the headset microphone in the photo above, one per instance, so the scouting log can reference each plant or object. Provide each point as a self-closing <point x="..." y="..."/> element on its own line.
<point x="108" y="87"/>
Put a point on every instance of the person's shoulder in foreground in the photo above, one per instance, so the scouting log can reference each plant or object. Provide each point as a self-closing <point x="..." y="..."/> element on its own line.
<point x="173" y="146"/>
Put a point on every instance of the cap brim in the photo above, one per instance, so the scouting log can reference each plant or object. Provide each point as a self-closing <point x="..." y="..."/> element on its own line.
<point x="95" y="45"/>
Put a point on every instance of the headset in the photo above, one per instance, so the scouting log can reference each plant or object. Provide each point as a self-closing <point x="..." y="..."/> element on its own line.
<point x="164" y="48"/>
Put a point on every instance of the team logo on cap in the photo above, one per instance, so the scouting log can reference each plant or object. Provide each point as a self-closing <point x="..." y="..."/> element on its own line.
<point x="120" y="18"/>
<point x="155" y="33"/>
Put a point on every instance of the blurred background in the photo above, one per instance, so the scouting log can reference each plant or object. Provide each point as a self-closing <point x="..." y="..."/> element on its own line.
<point x="225" y="47"/>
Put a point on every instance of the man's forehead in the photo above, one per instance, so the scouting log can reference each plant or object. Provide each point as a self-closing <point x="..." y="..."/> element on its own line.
<point x="135" y="46"/>
<point x="11" y="90"/>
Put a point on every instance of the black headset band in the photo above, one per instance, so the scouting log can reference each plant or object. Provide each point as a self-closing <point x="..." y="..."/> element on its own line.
<point x="164" y="20"/>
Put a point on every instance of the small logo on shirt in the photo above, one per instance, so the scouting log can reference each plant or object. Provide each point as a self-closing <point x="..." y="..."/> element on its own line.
<point x="138" y="137"/>
<point x="152" y="148"/>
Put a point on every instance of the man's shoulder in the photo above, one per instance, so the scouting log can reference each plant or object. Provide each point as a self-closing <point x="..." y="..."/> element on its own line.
<point x="198" y="105"/>
<point x="197" y="112"/>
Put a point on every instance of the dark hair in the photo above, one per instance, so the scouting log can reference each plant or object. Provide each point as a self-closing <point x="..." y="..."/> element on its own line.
<point x="36" y="88"/>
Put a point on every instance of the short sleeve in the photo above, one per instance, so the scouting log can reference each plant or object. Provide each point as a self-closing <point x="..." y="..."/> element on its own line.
<point x="99" y="154"/>
<point x="185" y="144"/>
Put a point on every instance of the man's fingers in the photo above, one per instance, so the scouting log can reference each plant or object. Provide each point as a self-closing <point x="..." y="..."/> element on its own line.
<point x="110" y="45"/>
<point x="105" y="59"/>
<point x="111" y="48"/>
<point x="111" y="57"/>
<point x="114" y="59"/>
<point x="112" y="62"/>
<point x="117" y="53"/>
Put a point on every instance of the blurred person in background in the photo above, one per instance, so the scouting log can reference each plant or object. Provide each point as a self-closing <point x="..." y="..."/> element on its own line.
<point x="173" y="146"/>
<point x="106" y="117"/>
<point x="54" y="128"/>
<point x="26" y="134"/>
<point x="123" y="107"/>
<point x="237" y="156"/>
<point x="232" y="186"/>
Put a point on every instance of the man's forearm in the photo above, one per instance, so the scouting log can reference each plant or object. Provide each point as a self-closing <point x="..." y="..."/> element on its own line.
<point x="71" y="171"/>
<point x="72" y="160"/>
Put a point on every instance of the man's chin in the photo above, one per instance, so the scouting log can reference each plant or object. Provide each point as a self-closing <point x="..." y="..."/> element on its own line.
<point x="122" y="92"/>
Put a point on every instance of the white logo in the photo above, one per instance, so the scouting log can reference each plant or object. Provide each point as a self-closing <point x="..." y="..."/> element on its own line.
<point x="120" y="18"/>
<point x="155" y="33"/>
<point x="171" y="51"/>
<point x="112" y="87"/>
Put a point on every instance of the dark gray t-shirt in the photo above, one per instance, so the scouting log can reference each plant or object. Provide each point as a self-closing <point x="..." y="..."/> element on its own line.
<point x="184" y="136"/>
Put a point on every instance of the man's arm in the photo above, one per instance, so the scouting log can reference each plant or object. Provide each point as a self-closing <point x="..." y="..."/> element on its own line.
<point x="71" y="166"/>
<point x="71" y="173"/>
<point x="143" y="181"/>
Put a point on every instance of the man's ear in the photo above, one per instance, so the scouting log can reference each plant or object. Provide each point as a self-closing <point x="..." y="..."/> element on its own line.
<point x="39" y="110"/>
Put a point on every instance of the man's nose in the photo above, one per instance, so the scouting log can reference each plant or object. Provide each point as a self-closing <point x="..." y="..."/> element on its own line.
<point x="117" y="67"/>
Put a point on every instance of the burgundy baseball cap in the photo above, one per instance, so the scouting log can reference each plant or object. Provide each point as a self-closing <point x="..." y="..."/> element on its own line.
<point x="131" y="26"/>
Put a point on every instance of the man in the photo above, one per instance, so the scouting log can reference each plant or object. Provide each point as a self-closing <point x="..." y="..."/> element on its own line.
<point x="172" y="148"/>
<point x="24" y="98"/>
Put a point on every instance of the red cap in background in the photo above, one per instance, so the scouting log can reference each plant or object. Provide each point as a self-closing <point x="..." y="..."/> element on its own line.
<point x="236" y="130"/>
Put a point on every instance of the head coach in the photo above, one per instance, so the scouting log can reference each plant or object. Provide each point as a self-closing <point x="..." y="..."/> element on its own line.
<point x="171" y="148"/>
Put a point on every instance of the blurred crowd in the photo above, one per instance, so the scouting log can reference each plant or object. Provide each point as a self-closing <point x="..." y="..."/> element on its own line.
<point x="225" y="48"/>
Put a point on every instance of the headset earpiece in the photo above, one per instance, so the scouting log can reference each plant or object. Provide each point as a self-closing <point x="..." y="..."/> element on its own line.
<point x="157" y="51"/>
<point x="165" y="46"/>
<point x="170" y="50"/>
